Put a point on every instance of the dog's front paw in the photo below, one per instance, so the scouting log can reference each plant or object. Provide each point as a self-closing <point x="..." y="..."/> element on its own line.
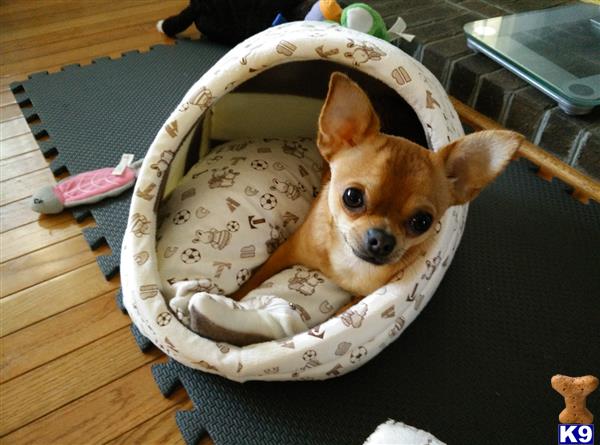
<point x="243" y="323"/>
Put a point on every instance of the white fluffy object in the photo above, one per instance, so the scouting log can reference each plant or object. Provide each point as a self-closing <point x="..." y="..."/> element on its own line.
<point x="398" y="433"/>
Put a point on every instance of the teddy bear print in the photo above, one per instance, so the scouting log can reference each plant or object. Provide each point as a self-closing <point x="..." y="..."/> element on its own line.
<point x="294" y="148"/>
<point x="363" y="52"/>
<point x="305" y="281"/>
<point x="290" y="190"/>
<point x="140" y="225"/>
<point x="202" y="99"/>
<point x="358" y="354"/>
<point x="354" y="317"/>
<point x="277" y="237"/>
<point x="165" y="160"/>
<point x="217" y="239"/>
<point x="310" y="356"/>
<point x="432" y="265"/>
<point x="225" y="177"/>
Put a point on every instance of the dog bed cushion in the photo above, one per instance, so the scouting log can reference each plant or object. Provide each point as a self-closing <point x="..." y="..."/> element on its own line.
<point x="227" y="215"/>
<point x="341" y="343"/>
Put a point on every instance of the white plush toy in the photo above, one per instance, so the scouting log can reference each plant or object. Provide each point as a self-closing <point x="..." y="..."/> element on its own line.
<point x="398" y="433"/>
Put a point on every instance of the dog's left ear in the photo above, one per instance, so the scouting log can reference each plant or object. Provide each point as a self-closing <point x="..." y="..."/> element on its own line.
<point x="473" y="161"/>
<point x="347" y="117"/>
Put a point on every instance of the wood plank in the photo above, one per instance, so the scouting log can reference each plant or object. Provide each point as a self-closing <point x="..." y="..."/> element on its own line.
<point x="60" y="17"/>
<point x="12" y="12"/>
<point x="89" y="30"/>
<point x="51" y="305"/>
<point x="54" y="296"/>
<point x="9" y="112"/>
<point x="17" y="214"/>
<point x="13" y="127"/>
<point x="147" y="26"/>
<point x="46" y="231"/>
<point x="18" y="145"/>
<point x="87" y="58"/>
<point x="19" y="188"/>
<point x="6" y="96"/>
<point x="55" y="384"/>
<point x="157" y="430"/>
<point x="22" y="164"/>
<point x="61" y="286"/>
<point x="102" y="415"/>
<point x="87" y="54"/>
<point x="57" y="336"/>
<point x="47" y="263"/>
<point x="19" y="6"/>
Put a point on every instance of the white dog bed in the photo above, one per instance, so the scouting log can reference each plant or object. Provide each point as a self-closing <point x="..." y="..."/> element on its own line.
<point x="272" y="85"/>
<point x="227" y="215"/>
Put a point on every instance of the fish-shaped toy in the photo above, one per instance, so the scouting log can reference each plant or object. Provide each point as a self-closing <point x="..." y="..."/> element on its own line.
<point x="86" y="188"/>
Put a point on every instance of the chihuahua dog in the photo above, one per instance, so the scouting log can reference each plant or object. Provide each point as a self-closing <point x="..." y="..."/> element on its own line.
<point x="381" y="195"/>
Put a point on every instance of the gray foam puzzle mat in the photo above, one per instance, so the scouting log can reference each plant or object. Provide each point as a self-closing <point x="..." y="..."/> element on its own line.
<point x="518" y="304"/>
<point x="94" y="113"/>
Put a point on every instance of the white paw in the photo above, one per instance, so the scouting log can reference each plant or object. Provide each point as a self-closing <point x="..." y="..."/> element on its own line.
<point x="270" y="317"/>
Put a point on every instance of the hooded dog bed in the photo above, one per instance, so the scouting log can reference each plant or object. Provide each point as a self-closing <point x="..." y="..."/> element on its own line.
<point x="272" y="85"/>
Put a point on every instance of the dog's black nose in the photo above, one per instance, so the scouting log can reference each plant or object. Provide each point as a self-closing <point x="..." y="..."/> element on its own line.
<point x="379" y="243"/>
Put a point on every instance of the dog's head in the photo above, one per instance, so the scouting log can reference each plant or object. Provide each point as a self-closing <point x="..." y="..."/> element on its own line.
<point x="386" y="193"/>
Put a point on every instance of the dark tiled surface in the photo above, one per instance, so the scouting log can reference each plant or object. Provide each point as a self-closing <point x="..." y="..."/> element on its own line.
<point x="433" y="13"/>
<point x="483" y="8"/>
<point x="526" y="110"/>
<point x="437" y="31"/>
<point x="481" y="83"/>
<point x="560" y="134"/>
<point x="440" y="56"/>
<point x="466" y="74"/>
<point x="495" y="92"/>
<point x="588" y="158"/>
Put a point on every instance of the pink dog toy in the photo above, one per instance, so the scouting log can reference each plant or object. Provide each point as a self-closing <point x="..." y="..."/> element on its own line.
<point x="87" y="188"/>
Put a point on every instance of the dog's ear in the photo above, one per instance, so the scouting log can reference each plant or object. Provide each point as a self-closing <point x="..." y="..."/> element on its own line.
<point x="347" y="117"/>
<point x="473" y="161"/>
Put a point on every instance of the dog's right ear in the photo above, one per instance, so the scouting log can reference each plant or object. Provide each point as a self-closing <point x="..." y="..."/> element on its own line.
<point x="347" y="117"/>
<point x="473" y="161"/>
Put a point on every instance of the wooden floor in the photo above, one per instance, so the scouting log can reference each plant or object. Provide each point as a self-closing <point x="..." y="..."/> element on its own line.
<point x="70" y="370"/>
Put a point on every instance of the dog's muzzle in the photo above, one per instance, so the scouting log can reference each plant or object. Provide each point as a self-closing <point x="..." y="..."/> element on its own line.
<point x="377" y="246"/>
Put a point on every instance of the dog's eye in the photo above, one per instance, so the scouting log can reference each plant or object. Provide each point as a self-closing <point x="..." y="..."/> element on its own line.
<point x="353" y="198"/>
<point x="419" y="223"/>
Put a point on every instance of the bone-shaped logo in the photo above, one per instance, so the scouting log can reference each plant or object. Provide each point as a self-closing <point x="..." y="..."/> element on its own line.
<point x="575" y="391"/>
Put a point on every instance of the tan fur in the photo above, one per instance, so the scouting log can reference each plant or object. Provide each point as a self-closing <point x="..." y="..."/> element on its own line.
<point x="398" y="177"/>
